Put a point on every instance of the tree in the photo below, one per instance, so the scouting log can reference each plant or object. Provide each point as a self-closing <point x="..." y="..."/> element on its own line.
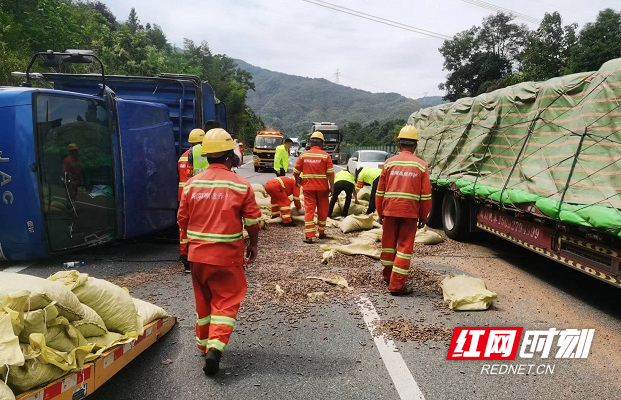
<point x="598" y="42"/>
<point x="482" y="54"/>
<point x="547" y="51"/>
<point x="133" y="23"/>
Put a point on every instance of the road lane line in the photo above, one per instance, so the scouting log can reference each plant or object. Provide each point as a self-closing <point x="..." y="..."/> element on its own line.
<point x="16" y="268"/>
<point x="248" y="163"/>
<point x="404" y="382"/>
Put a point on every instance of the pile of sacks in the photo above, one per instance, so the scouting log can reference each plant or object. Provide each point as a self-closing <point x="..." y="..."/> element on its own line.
<point x="50" y="327"/>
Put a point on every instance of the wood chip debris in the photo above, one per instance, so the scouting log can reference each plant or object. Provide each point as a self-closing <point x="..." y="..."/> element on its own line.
<point x="403" y="330"/>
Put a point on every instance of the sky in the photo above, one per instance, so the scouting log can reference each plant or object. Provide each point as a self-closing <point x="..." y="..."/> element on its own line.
<point x="310" y="38"/>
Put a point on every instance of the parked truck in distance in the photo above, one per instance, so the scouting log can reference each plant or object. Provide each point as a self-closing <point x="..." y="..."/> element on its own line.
<point x="333" y="139"/>
<point x="264" y="150"/>
<point x="537" y="164"/>
<point x="86" y="159"/>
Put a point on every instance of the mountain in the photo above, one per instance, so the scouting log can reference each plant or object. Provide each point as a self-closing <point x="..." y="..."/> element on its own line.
<point x="290" y="103"/>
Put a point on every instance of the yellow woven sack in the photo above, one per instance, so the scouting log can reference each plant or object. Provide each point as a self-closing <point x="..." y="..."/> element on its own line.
<point x="149" y="312"/>
<point x="92" y="324"/>
<point x="10" y="352"/>
<point x="42" y="293"/>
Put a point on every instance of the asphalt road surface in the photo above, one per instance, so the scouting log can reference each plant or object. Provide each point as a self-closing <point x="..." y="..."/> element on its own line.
<point x="328" y="351"/>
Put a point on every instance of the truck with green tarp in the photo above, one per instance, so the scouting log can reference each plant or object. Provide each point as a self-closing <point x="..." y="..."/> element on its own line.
<point x="538" y="164"/>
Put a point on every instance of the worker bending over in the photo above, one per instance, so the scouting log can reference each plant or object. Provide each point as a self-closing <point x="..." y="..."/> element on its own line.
<point x="279" y="189"/>
<point x="343" y="182"/>
<point x="370" y="176"/>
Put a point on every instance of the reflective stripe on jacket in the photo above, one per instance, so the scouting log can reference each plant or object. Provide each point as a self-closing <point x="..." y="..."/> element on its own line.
<point x="315" y="166"/>
<point x="184" y="170"/>
<point x="404" y="189"/>
<point x="215" y="207"/>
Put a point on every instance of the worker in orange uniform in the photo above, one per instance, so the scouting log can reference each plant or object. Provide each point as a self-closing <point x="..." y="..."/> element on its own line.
<point x="184" y="170"/>
<point x="315" y="172"/>
<point x="279" y="190"/>
<point x="213" y="206"/>
<point x="403" y="204"/>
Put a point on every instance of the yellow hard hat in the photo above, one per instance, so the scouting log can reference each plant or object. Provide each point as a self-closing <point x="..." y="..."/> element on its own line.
<point x="408" y="132"/>
<point x="317" y="135"/>
<point x="72" y="146"/>
<point x="196" y="136"/>
<point x="217" y="140"/>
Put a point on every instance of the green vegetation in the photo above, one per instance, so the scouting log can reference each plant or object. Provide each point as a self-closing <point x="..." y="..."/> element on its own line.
<point x="500" y="52"/>
<point x="126" y="48"/>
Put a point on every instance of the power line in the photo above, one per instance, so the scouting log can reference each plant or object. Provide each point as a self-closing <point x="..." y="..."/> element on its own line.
<point x="493" y="7"/>
<point x="378" y="19"/>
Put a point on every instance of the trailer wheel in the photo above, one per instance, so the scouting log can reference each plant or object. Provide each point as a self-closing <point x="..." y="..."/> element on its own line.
<point x="454" y="217"/>
<point x="434" y="220"/>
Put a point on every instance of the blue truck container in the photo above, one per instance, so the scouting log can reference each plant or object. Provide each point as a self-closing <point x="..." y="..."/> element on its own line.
<point x="83" y="163"/>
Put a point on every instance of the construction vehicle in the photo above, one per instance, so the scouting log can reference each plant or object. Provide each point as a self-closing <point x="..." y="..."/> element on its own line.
<point x="264" y="150"/>
<point x="129" y="132"/>
<point x="537" y="164"/>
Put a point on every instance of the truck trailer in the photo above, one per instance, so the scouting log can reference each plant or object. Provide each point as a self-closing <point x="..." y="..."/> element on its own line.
<point x="88" y="159"/>
<point x="537" y="164"/>
<point x="333" y="138"/>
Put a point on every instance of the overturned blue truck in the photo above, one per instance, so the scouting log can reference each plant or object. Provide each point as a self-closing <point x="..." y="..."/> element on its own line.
<point x="86" y="159"/>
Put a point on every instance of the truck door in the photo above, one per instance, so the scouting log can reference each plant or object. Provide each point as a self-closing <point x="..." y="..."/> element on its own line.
<point x="76" y="170"/>
<point x="149" y="167"/>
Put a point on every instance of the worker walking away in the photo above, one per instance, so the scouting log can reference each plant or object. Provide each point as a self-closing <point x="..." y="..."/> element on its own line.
<point x="403" y="204"/>
<point x="185" y="172"/>
<point x="213" y="206"/>
<point x="281" y="158"/>
<point x="343" y="182"/>
<point x="315" y="172"/>
<point x="370" y="176"/>
<point x="279" y="190"/>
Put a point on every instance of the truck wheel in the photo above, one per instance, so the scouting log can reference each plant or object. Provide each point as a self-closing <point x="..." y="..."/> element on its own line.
<point x="256" y="169"/>
<point x="434" y="220"/>
<point x="454" y="217"/>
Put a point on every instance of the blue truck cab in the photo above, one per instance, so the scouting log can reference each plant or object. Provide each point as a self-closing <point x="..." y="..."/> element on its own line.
<point x="90" y="161"/>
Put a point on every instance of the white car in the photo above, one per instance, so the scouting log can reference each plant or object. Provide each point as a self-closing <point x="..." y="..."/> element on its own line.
<point x="366" y="158"/>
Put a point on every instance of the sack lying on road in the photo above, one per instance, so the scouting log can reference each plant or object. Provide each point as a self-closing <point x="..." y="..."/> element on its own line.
<point x="465" y="293"/>
<point x="356" y="223"/>
<point x="5" y="392"/>
<point x="149" y="312"/>
<point x="43" y="292"/>
<point x="353" y="249"/>
<point x="427" y="236"/>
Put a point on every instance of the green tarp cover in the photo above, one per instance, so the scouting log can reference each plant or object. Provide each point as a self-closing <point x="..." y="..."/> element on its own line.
<point x="554" y="145"/>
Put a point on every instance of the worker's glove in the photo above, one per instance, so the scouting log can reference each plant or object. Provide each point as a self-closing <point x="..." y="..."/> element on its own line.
<point x="282" y="172"/>
<point x="381" y="220"/>
<point x="251" y="254"/>
<point x="301" y="211"/>
<point x="421" y="224"/>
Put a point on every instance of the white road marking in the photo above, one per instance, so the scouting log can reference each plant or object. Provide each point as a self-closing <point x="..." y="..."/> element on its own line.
<point x="404" y="382"/>
<point x="248" y="163"/>
<point x="16" y="268"/>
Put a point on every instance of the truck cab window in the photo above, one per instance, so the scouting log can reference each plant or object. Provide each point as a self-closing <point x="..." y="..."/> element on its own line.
<point x="76" y="170"/>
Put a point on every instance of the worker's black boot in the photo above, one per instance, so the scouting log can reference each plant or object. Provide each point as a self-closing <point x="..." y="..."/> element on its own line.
<point x="323" y="236"/>
<point x="403" y="292"/>
<point x="212" y="362"/>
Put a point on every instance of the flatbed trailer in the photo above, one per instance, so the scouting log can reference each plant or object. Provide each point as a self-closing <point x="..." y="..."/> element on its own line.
<point x="78" y="385"/>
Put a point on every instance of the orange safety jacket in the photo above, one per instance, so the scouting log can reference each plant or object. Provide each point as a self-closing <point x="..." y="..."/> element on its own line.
<point x="184" y="170"/>
<point x="215" y="207"/>
<point x="404" y="188"/>
<point x="290" y="188"/>
<point x="315" y="166"/>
